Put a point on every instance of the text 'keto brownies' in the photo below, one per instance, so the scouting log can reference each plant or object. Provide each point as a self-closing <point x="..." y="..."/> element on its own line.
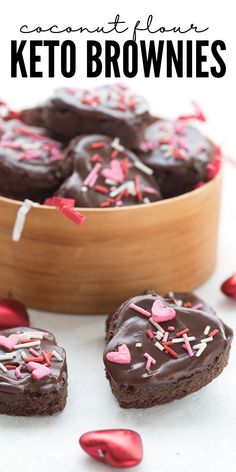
<point x="158" y="351"/>
<point x="33" y="373"/>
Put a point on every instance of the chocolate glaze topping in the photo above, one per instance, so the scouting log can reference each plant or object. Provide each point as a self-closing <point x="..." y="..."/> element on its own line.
<point x="129" y="327"/>
<point x="120" y="178"/>
<point x="9" y="383"/>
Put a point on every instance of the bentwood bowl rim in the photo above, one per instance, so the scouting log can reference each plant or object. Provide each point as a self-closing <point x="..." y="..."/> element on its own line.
<point x="157" y="204"/>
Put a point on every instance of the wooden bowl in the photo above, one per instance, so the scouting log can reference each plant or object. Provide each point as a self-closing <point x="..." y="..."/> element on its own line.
<point x="58" y="266"/>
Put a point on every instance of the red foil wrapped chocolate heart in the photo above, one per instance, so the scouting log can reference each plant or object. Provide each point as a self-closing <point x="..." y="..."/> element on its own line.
<point x="229" y="286"/>
<point x="12" y="314"/>
<point x="116" y="447"/>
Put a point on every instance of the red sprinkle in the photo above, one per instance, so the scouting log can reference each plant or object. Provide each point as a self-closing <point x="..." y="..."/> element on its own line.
<point x="149" y="334"/>
<point x="179" y="154"/>
<point x="72" y="214"/>
<point x="214" y="332"/>
<point x="170" y="351"/>
<point x="46" y="358"/>
<point x="96" y="158"/>
<point x="114" y="153"/>
<point x="10" y="366"/>
<point x="122" y="194"/>
<point x="34" y="359"/>
<point x="58" y="201"/>
<point x="101" y="189"/>
<point x="137" y="188"/>
<point x="187" y="305"/>
<point x="168" y="343"/>
<point x="180" y="333"/>
<point x="98" y="145"/>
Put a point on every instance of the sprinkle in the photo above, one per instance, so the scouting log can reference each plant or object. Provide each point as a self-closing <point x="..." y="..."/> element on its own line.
<point x="187" y="345"/>
<point x="105" y="204"/>
<point x="150" y="190"/>
<point x="137" y="188"/>
<point x="29" y="335"/>
<point x="6" y="357"/>
<point x="150" y="361"/>
<point x="34" y="352"/>
<point x="58" y="201"/>
<point x="34" y="359"/>
<point x="20" y="219"/>
<point x="170" y="351"/>
<point x="157" y="326"/>
<point x="110" y="182"/>
<point x="187" y="305"/>
<point x="96" y="158"/>
<point x="201" y="349"/>
<point x="114" y="154"/>
<point x="10" y="366"/>
<point x="23" y="355"/>
<point x="179" y="153"/>
<point x="46" y="358"/>
<point x="180" y="340"/>
<point x="93" y="174"/>
<point x="180" y="333"/>
<point x="2" y="367"/>
<point x="207" y="340"/>
<point x="171" y="328"/>
<point x="149" y="334"/>
<point x="120" y="189"/>
<point x="101" y="189"/>
<point x="33" y="343"/>
<point x="207" y="329"/>
<point x="98" y="145"/>
<point x="165" y="337"/>
<point x="18" y="373"/>
<point x="116" y="145"/>
<point x="138" y="345"/>
<point x="169" y="343"/>
<point x="84" y="188"/>
<point x="58" y="357"/>
<point x="159" y="346"/>
<point x="140" y="310"/>
<point x="159" y="335"/>
<point x="72" y="214"/>
<point x="214" y="332"/>
<point x="143" y="168"/>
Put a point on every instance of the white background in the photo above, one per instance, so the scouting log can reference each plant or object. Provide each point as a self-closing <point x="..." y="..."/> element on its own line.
<point x="198" y="432"/>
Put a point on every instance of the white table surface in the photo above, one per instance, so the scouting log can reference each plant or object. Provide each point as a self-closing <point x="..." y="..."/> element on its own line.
<point x="196" y="432"/>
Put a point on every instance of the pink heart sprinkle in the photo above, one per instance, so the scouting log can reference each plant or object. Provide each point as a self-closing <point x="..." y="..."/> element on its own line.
<point x="39" y="370"/>
<point x="8" y="343"/>
<point x="114" y="172"/>
<point x="161" y="313"/>
<point x="122" y="356"/>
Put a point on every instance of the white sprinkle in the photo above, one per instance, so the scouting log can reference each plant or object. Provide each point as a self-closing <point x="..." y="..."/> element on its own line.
<point x="200" y="351"/>
<point x="179" y="302"/>
<point x="84" y="188"/>
<point x="157" y="326"/>
<point x="159" y="346"/>
<point x="29" y="335"/>
<point x="116" y="145"/>
<point x="171" y="294"/>
<point x="23" y="355"/>
<point x="207" y="329"/>
<point x="146" y="200"/>
<point x="165" y="147"/>
<point x="29" y="344"/>
<point x="110" y="182"/>
<point x="143" y="168"/>
<point x="138" y="345"/>
<point x="100" y="453"/>
<point x="59" y="358"/>
<point x="3" y="367"/>
<point x="197" y="346"/>
<point x="20" y="219"/>
<point x="181" y="340"/>
<point x="127" y="185"/>
<point x="207" y="340"/>
<point x="8" y="356"/>
<point x="159" y="335"/>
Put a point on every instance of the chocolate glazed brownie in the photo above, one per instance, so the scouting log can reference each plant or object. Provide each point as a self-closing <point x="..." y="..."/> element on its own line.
<point x="32" y="164"/>
<point x="158" y="351"/>
<point x="33" y="373"/>
<point x="181" y="157"/>
<point x="111" y="109"/>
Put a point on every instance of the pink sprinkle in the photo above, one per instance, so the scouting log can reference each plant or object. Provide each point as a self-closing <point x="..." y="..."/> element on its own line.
<point x="165" y="337"/>
<point x="91" y="176"/>
<point x="150" y="190"/>
<point x="187" y="345"/>
<point x="197" y="307"/>
<point x="140" y="310"/>
<point x="34" y="352"/>
<point x="171" y="328"/>
<point x="18" y="372"/>
<point x="150" y="361"/>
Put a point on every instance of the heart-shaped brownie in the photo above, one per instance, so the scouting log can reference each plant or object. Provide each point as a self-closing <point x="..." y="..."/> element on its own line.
<point x="170" y="356"/>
